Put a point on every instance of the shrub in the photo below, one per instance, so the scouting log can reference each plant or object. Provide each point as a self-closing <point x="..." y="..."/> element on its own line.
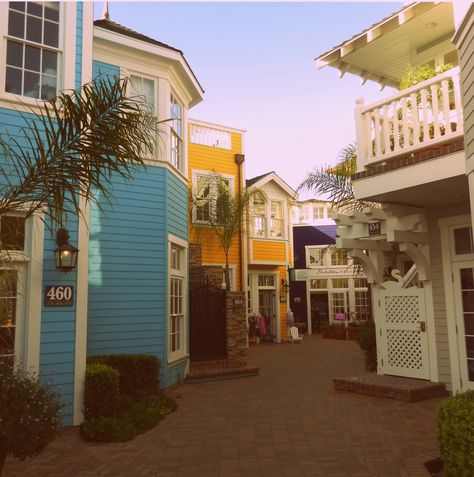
<point x="367" y="341"/>
<point x="102" y="391"/>
<point x="139" y="373"/>
<point x="417" y="74"/>
<point x="29" y="414"/>
<point x="108" y="429"/>
<point x="456" y="435"/>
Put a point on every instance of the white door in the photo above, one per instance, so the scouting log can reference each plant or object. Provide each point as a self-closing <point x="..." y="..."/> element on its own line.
<point x="464" y="305"/>
<point x="403" y="337"/>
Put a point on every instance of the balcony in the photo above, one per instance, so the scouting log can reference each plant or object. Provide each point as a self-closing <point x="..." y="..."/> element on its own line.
<point x="267" y="228"/>
<point x="410" y="146"/>
<point x="425" y="115"/>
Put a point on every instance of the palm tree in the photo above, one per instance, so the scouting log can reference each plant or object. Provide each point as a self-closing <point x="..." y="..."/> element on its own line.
<point x="335" y="182"/>
<point x="224" y="213"/>
<point x="70" y="147"/>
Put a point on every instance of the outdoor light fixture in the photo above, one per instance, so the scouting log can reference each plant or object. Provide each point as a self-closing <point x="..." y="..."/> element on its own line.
<point x="285" y="286"/>
<point x="65" y="254"/>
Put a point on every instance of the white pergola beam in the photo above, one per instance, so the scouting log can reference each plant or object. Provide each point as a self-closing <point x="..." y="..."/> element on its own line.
<point x="358" y="244"/>
<point x="401" y="236"/>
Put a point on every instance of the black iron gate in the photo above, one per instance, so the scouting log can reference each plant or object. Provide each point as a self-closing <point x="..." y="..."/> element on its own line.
<point x="207" y="323"/>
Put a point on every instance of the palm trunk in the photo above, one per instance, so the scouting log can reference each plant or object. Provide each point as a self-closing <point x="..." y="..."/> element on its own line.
<point x="227" y="274"/>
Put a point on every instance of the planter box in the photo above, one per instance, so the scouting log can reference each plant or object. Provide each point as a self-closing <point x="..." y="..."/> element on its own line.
<point x="337" y="333"/>
<point x="352" y="333"/>
<point x="324" y="331"/>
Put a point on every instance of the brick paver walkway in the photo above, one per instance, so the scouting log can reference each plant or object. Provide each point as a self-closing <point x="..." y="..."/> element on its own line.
<point x="288" y="421"/>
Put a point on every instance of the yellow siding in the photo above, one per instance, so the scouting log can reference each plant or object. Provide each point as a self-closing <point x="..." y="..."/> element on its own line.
<point x="269" y="251"/>
<point x="220" y="161"/>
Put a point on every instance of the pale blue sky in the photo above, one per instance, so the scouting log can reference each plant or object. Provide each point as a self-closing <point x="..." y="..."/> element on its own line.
<point x="256" y="64"/>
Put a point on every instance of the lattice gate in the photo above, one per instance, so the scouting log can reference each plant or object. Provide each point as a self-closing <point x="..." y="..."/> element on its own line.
<point x="402" y="332"/>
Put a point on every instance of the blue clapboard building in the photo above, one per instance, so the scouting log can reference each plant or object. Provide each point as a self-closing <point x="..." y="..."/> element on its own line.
<point x="128" y="292"/>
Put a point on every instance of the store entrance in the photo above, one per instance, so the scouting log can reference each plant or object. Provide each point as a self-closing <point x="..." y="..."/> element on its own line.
<point x="319" y="310"/>
<point x="266" y="307"/>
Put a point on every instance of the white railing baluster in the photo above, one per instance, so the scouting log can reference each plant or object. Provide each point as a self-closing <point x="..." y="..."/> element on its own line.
<point x="457" y="102"/>
<point x="435" y="110"/>
<point x="415" y="118"/>
<point x="378" y="150"/>
<point x="405" y="130"/>
<point x="386" y="130"/>
<point x="396" y="130"/>
<point x="445" y="100"/>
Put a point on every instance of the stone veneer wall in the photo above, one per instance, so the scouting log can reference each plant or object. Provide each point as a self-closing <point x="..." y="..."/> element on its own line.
<point x="236" y="329"/>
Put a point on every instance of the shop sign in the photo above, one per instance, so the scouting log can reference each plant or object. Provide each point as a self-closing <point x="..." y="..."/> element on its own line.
<point x="301" y="275"/>
<point x="340" y="316"/>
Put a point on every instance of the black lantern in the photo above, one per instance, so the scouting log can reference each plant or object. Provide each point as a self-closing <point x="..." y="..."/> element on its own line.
<point x="65" y="254"/>
<point x="285" y="286"/>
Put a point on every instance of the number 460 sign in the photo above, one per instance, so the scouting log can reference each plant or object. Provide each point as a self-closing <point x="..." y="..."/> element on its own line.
<point x="59" y="295"/>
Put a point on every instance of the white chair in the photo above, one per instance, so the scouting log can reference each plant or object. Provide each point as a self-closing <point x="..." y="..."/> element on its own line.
<point x="295" y="335"/>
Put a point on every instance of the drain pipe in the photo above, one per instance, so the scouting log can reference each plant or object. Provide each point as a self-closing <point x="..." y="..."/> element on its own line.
<point x="239" y="159"/>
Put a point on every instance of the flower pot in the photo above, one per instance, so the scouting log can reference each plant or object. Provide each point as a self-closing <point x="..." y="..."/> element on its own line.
<point x="352" y="332"/>
<point x="340" y="333"/>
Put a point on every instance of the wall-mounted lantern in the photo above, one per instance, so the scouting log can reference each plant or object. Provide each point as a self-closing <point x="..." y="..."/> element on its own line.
<point x="285" y="286"/>
<point x="65" y="254"/>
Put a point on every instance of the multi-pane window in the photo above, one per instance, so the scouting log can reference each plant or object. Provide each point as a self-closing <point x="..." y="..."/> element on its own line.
<point x="276" y="219"/>
<point x="12" y="233"/>
<point x="463" y="243"/>
<point x="176" y="297"/>
<point x="208" y="202"/>
<point x="337" y="304"/>
<point x="318" y="283"/>
<point x="318" y="212"/>
<point x="8" y="315"/>
<point x="316" y="257"/>
<point x="144" y="87"/>
<point x="176" y="131"/>
<point x="362" y="306"/>
<point x="339" y="257"/>
<point x="258" y="217"/>
<point x="266" y="280"/>
<point x="340" y="283"/>
<point x="33" y="49"/>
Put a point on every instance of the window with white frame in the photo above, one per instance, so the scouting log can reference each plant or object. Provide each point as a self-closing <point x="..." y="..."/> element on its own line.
<point x="315" y="256"/>
<point x="33" y="53"/>
<point x="176" y="331"/>
<point x="339" y="257"/>
<point x="12" y="288"/>
<point x="176" y="133"/>
<point x="206" y="201"/>
<point x="318" y="212"/>
<point x="267" y="218"/>
<point x="146" y="89"/>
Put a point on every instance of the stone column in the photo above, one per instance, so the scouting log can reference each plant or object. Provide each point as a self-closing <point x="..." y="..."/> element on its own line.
<point x="236" y="329"/>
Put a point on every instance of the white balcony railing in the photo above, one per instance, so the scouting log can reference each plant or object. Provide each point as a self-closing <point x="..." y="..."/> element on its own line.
<point x="424" y="115"/>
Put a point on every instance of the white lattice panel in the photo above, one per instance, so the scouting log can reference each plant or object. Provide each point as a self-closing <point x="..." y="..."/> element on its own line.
<point x="402" y="309"/>
<point x="404" y="349"/>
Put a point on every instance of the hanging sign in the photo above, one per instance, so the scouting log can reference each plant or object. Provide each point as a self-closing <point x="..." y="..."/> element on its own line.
<point x="375" y="228"/>
<point x="59" y="295"/>
<point x="301" y="275"/>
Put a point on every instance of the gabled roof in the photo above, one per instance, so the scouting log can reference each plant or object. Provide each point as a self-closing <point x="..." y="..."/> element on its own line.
<point x="259" y="181"/>
<point x="385" y="50"/>
<point x="115" y="27"/>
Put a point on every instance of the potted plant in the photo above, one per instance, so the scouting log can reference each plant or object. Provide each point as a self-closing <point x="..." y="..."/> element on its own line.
<point x="352" y="330"/>
<point x="337" y="331"/>
<point x="324" y="328"/>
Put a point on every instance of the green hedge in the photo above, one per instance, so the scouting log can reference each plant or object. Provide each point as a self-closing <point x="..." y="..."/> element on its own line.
<point x="139" y="373"/>
<point x="101" y="391"/>
<point x="122" y="397"/>
<point x="367" y="341"/>
<point x="456" y="435"/>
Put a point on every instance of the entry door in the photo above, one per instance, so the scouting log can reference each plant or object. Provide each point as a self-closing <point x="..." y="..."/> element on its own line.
<point x="266" y="307"/>
<point x="402" y="327"/>
<point x="464" y="306"/>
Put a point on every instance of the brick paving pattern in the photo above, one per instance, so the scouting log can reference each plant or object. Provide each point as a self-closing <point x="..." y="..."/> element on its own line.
<point x="288" y="421"/>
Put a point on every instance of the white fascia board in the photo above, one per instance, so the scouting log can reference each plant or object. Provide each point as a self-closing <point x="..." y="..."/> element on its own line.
<point x="445" y="167"/>
<point x="175" y="56"/>
<point x="222" y="127"/>
<point x="464" y="28"/>
<point x="273" y="177"/>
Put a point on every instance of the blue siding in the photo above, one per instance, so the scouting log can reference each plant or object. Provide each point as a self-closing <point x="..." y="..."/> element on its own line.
<point x="99" y="68"/>
<point x="177" y="224"/>
<point x="127" y="268"/>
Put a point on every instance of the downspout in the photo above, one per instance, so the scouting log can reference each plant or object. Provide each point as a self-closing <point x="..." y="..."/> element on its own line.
<point x="239" y="160"/>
